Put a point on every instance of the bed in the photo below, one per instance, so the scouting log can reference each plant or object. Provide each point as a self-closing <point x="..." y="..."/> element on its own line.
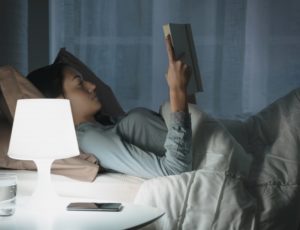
<point x="245" y="173"/>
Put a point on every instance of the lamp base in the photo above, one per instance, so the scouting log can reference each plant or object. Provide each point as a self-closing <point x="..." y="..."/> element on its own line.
<point x="44" y="199"/>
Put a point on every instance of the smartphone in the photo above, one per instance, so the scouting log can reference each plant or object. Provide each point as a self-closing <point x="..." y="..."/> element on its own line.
<point x="90" y="206"/>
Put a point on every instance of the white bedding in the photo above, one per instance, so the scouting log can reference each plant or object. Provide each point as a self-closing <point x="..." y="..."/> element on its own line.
<point x="107" y="186"/>
<point x="212" y="194"/>
<point x="215" y="194"/>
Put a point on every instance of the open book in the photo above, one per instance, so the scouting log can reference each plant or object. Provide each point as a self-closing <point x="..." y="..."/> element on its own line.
<point x="183" y="43"/>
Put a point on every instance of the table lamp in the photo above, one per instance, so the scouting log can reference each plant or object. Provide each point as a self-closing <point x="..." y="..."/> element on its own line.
<point x="43" y="131"/>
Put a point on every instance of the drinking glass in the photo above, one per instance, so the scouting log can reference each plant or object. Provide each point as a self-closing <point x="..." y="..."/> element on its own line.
<point x="8" y="192"/>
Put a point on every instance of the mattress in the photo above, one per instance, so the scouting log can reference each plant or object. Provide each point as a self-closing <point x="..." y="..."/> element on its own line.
<point x="107" y="186"/>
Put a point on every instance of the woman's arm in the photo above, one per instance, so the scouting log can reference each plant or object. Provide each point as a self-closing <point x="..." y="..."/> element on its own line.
<point x="178" y="140"/>
<point x="116" y="154"/>
<point x="177" y="77"/>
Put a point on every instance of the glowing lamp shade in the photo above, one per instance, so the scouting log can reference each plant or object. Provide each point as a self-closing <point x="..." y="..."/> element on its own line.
<point x="43" y="130"/>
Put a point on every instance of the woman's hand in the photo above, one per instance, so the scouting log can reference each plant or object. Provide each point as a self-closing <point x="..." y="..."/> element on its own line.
<point x="177" y="77"/>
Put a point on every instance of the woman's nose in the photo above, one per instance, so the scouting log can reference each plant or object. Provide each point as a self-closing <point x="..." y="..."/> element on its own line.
<point x="91" y="86"/>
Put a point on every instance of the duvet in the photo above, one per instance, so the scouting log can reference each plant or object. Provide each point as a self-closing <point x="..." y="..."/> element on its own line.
<point x="249" y="185"/>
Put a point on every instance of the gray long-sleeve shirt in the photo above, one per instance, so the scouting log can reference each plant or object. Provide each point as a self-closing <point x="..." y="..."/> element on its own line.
<point x="140" y="143"/>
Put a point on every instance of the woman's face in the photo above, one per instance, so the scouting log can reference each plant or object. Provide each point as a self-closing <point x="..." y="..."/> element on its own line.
<point x="81" y="93"/>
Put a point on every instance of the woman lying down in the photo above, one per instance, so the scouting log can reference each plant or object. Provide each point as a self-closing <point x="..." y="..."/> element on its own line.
<point x="139" y="143"/>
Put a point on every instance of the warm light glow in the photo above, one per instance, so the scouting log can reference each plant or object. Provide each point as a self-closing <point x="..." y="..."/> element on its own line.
<point x="43" y="130"/>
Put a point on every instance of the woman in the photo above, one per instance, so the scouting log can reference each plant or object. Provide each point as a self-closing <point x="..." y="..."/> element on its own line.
<point x="139" y="143"/>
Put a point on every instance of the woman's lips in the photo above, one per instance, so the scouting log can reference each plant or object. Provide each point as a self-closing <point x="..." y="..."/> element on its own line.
<point x="94" y="97"/>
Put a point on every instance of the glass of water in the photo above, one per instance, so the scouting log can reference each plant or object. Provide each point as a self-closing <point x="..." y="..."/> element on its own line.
<point x="8" y="192"/>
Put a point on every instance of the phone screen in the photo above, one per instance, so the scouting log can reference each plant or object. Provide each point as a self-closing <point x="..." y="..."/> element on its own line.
<point x="90" y="206"/>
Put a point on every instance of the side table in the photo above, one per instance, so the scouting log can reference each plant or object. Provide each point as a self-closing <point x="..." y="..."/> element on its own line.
<point x="131" y="216"/>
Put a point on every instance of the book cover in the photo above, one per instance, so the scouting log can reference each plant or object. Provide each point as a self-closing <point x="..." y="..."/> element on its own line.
<point x="183" y="43"/>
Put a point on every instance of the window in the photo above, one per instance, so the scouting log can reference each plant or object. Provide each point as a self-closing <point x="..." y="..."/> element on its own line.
<point x="115" y="43"/>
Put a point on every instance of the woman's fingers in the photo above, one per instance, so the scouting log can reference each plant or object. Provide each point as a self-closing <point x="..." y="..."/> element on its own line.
<point x="178" y="71"/>
<point x="170" y="49"/>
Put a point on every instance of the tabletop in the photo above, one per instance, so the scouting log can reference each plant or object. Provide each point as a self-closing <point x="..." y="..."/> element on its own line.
<point x="131" y="216"/>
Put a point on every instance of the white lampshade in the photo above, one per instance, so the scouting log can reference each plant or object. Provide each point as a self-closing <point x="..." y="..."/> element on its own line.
<point x="43" y="129"/>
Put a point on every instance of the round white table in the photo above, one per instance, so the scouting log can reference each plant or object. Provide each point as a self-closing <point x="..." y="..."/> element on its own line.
<point x="131" y="216"/>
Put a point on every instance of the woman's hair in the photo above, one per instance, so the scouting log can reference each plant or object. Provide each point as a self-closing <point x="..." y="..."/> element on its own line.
<point x="49" y="79"/>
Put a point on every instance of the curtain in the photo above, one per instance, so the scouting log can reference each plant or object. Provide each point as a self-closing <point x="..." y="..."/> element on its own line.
<point x="248" y="51"/>
<point x="13" y="38"/>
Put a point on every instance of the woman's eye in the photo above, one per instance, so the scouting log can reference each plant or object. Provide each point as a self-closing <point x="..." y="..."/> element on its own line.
<point x="80" y="82"/>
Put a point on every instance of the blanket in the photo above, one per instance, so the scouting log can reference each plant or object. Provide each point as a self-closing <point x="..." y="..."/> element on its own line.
<point x="254" y="186"/>
<point x="213" y="193"/>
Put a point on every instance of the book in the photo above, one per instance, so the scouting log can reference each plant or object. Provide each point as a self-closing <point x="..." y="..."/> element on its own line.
<point x="184" y="48"/>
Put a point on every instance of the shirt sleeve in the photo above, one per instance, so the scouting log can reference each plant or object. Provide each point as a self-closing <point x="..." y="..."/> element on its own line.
<point x="178" y="143"/>
<point x="118" y="155"/>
